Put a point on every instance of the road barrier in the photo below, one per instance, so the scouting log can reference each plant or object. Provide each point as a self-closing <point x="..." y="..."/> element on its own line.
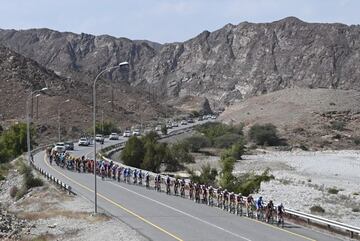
<point x="341" y="228"/>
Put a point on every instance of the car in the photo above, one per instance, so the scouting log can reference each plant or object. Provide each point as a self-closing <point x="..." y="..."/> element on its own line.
<point x="190" y="120"/>
<point x="158" y="128"/>
<point x="114" y="136"/>
<point x="213" y="117"/>
<point x="200" y="118"/>
<point x="136" y="132"/>
<point x="174" y="124"/>
<point x="183" y="122"/>
<point x="69" y="146"/>
<point x="127" y="133"/>
<point x="59" y="147"/>
<point x="84" y="141"/>
<point x="99" y="138"/>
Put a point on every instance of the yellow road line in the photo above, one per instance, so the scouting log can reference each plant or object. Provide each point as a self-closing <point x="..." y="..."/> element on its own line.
<point x="115" y="203"/>
<point x="281" y="229"/>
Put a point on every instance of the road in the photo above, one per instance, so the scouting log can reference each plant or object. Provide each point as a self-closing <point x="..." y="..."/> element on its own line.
<point x="162" y="217"/>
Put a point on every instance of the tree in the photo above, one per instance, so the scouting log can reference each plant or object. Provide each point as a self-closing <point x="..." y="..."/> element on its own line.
<point x="133" y="152"/>
<point x="207" y="175"/>
<point x="195" y="143"/>
<point x="264" y="134"/>
<point x="181" y="152"/>
<point x="236" y="150"/>
<point x="164" y="129"/>
<point x="151" y="162"/>
<point x="226" y="140"/>
<point x="107" y="128"/>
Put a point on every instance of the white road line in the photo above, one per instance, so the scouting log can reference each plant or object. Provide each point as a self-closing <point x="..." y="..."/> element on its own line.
<point x="182" y="212"/>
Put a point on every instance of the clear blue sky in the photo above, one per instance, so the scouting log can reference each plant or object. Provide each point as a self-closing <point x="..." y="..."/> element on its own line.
<point x="165" y="20"/>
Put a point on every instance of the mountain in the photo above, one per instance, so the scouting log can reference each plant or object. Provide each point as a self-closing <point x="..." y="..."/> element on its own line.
<point x="225" y="66"/>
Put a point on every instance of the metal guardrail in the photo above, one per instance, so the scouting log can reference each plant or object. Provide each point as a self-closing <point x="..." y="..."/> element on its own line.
<point x="48" y="176"/>
<point x="309" y="218"/>
<point x="323" y="221"/>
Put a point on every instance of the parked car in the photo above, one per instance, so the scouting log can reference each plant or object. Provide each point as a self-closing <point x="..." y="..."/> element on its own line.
<point x="174" y="124"/>
<point x="69" y="146"/>
<point x="136" y="132"/>
<point x="99" y="138"/>
<point x="127" y="133"/>
<point x="59" y="147"/>
<point x="84" y="142"/>
<point x="158" y="128"/>
<point x="183" y="122"/>
<point x="190" y="120"/>
<point x="114" y="136"/>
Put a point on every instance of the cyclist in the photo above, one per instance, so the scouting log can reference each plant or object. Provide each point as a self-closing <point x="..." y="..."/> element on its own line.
<point x="211" y="196"/>
<point x="182" y="187"/>
<point x="176" y="187"/>
<point x="225" y="199"/>
<point x="114" y="168"/>
<point x="135" y="176"/>
<point x="140" y="176"/>
<point x="280" y="214"/>
<point x="102" y="170"/>
<point x="168" y="184"/>
<point x="239" y="204"/>
<point x="259" y="207"/>
<point x="204" y="194"/>
<point x="119" y="171"/>
<point x="197" y="193"/>
<point x="125" y="172"/>
<point x="249" y="205"/>
<point x="191" y="190"/>
<point x="232" y="202"/>
<point x="147" y="180"/>
<point x="269" y="211"/>
<point x="219" y="197"/>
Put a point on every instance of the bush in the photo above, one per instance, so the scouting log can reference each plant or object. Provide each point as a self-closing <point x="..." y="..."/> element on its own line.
<point x="33" y="182"/>
<point x="338" y="125"/>
<point x="236" y="150"/>
<point x="13" y="191"/>
<point x="227" y="140"/>
<point x="195" y="143"/>
<point x="317" y="209"/>
<point x="133" y="152"/>
<point x="264" y="135"/>
<point x="333" y="190"/>
<point x="164" y="130"/>
<point x="207" y="175"/>
<point x="251" y="183"/>
<point x="356" y="140"/>
<point x="106" y="128"/>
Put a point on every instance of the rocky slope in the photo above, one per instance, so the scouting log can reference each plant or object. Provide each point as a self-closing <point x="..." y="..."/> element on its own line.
<point x="19" y="75"/>
<point x="227" y="65"/>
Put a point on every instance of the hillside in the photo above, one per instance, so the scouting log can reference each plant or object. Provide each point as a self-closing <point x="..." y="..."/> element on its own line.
<point x="19" y="75"/>
<point x="311" y="118"/>
<point x="225" y="66"/>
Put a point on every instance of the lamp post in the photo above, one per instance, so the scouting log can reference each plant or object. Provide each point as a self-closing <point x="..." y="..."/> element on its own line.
<point x="28" y="122"/>
<point x="94" y="122"/>
<point x="59" y="118"/>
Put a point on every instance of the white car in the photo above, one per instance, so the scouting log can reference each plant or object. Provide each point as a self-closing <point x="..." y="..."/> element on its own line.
<point x="59" y="147"/>
<point x="83" y="142"/>
<point x="174" y="124"/>
<point x="158" y="128"/>
<point x="114" y="136"/>
<point x="127" y="133"/>
<point x="183" y="122"/>
<point x="136" y="132"/>
<point x="99" y="138"/>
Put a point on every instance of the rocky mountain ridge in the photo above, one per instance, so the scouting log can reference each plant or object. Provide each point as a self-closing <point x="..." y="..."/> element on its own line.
<point x="225" y="66"/>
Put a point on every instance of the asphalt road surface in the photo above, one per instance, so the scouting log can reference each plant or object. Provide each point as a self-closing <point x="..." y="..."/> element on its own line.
<point x="160" y="217"/>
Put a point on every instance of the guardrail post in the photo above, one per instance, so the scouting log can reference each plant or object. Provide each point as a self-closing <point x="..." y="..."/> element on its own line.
<point x="351" y="234"/>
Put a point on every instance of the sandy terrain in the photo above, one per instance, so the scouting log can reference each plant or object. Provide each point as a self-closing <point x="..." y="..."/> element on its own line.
<point x="303" y="179"/>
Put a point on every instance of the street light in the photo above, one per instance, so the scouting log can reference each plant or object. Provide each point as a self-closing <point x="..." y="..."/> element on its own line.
<point x="28" y="122"/>
<point x="94" y="121"/>
<point x="59" y="127"/>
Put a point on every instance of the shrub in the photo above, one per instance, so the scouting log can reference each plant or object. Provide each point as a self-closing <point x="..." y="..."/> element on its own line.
<point x="251" y="183"/>
<point x="33" y="182"/>
<point x="333" y="190"/>
<point x="264" y="134"/>
<point x="356" y="140"/>
<point x="133" y="152"/>
<point x="106" y="128"/>
<point x="317" y="209"/>
<point x="195" y="143"/>
<point x="227" y="140"/>
<point x="207" y="175"/>
<point x="236" y="150"/>
<point x="164" y="130"/>
<point x="356" y="209"/>
<point x="338" y="125"/>
<point x="13" y="191"/>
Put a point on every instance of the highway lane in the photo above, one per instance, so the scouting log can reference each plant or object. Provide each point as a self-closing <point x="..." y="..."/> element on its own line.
<point x="162" y="217"/>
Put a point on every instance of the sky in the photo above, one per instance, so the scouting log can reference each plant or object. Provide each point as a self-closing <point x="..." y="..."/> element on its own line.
<point x="166" y="21"/>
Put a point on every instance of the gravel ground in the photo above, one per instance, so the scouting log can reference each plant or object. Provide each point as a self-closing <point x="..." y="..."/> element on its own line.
<point x="303" y="179"/>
